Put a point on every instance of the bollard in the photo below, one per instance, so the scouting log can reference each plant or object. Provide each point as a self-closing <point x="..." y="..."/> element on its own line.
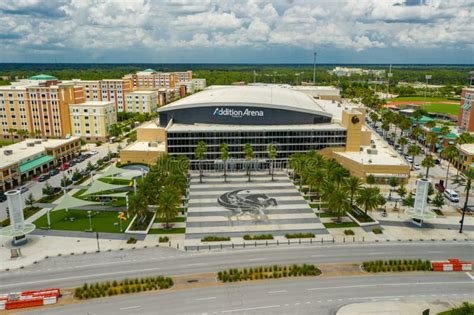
<point x="300" y="240"/>
<point x="363" y="238"/>
<point x="169" y="245"/>
<point x="277" y="242"/>
<point x="177" y="246"/>
<point x="321" y="240"/>
<point x="185" y="248"/>
<point x="221" y="246"/>
<point x="209" y="247"/>
<point x="333" y="240"/>
<point x="244" y="244"/>
<point x="344" y="239"/>
<point x="311" y="241"/>
<point x="255" y="243"/>
<point x="353" y="239"/>
<point x="288" y="241"/>
<point x="232" y="245"/>
<point x="198" y="247"/>
<point x="266" y="243"/>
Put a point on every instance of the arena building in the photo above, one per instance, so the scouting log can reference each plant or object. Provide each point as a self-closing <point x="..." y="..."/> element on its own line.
<point x="260" y="115"/>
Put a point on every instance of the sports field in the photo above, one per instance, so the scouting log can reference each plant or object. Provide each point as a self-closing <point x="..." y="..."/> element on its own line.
<point x="422" y="99"/>
<point x="442" y="108"/>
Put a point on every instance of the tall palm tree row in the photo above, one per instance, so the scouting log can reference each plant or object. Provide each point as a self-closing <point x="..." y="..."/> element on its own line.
<point x="200" y="153"/>
<point x="249" y="155"/>
<point x="272" y="154"/>
<point x="224" y="150"/>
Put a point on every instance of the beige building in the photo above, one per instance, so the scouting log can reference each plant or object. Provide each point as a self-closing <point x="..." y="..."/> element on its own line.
<point x="92" y="120"/>
<point x="37" y="106"/>
<point x="150" y="144"/>
<point x="22" y="160"/>
<point x="141" y="101"/>
<point x="152" y="79"/>
<point x="465" y="160"/>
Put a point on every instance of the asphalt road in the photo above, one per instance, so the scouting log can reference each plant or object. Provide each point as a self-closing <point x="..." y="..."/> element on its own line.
<point x="287" y="296"/>
<point x="36" y="188"/>
<point x="71" y="271"/>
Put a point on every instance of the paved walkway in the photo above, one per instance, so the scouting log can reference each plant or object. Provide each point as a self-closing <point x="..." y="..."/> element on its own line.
<point x="394" y="307"/>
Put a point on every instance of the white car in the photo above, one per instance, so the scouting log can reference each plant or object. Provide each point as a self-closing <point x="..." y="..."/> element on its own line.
<point x="410" y="159"/>
<point x="94" y="152"/>
<point x="416" y="166"/>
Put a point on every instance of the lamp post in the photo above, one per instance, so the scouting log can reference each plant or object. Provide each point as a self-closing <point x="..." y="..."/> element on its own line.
<point x="315" y="54"/>
<point x="427" y="78"/>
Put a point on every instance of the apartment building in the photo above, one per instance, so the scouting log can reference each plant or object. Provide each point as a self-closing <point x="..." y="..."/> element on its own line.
<point x="199" y="84"/>
<point x="113" y="90"/>
<point x="141" y="101"/>
<point x="37" y="106"/>
<point x="152" y="79"/>
<point x="184" y="76"/>
<point x="92" y="120"/>
<point x="466" y="112"/>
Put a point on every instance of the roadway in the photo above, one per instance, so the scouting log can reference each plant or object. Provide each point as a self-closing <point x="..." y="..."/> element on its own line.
<point x="287" y="296"/>
<point x="36" y="188"/>
<point x="71" y="271"/>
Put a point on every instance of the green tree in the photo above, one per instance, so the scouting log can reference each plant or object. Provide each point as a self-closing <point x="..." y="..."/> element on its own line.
<point x="450" y="153"/>
<point x="249" y="155"/>
<point x="168" y="203"/>
<point x="224" y="149"/>
<point x="200" y="153"/>
<point x="12" y="131"/>
<point x="272" y="154"/>
<point x="89" y="166"/>
<point x="428" y="163"/>
<point x="48" y="189"/>
<point x="30" y="200"/>
<point x="393" y="182"/>
<point x="402" y="192"/>
<point x="115" y="130"/>
<point x="438" y="200"/>
<point x="413" y="151"/>
<point x="337" y="202"/>
<point x="22" y="133"/>
<point x="352" y="184"/>
<point x="370" y="180"/>
<point x="368" y="198"/>
<point x="409" y="201"/>
<point x="430" y="142"/>
<point x="402" y="142"/>
<point x="138" y="206"/>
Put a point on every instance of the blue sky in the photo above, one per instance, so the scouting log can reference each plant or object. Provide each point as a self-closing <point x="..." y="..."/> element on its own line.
<point x="237" y="31"/>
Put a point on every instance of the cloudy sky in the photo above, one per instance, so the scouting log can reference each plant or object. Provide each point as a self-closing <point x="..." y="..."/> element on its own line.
<point x="237" y="31"/>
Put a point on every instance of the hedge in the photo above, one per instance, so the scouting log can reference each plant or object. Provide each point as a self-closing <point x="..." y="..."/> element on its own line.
<point x="348" y="232"/>
<point x="377" y="231"/>
<point x="212" y="238"/>
<point x="300" y="235"/>
<point x="258" y="237"/>
<point x="267" y="272"/>
<point x="397" y="265"/>
<point x="110" y="288"/>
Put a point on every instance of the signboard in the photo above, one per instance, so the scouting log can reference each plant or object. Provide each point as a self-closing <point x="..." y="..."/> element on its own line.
<point x="421" y="197"/>
<point x="15" y="208"/>
<point x="237" y="113"/>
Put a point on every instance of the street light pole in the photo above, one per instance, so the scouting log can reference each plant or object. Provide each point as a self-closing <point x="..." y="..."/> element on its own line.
<point x="90" y="219"/>
<point x="314" y="68"/>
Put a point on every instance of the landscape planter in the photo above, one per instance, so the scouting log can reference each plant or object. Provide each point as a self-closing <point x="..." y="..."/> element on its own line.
<point x="144" y="232"/>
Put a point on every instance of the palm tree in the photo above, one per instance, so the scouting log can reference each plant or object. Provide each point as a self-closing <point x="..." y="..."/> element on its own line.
<point x="337" y="202"/>
<point x="393" y="182"/>
<point x="431" y="140"/>
<point x="402" y="142"/>
<point x="249" y="155"/>
<point x="465" y="138"/>
<point x="401" y="191"/>
<point x="413" y="151"/>
<point x="22" y="133"/>
<point x="138" y="206"/>
<point x="404" y="124"/>
<point x="11" y="131"/>
<point x="297" y="163"/>
<point x="353" y="185"/>
<point x="272" y="154"/>
<point x="450" y="153"/>
<point x="200" y="153"/>
<point x="465" y="181"/>
<point x="315" y="181"/>
<point x="428" y="162"/>
<point x="370" y="180"/>
<point x="416" y="132"/>
<point x="168" y="203"/>
<point x="368" y="198"/>
<point x="224" y="149"/>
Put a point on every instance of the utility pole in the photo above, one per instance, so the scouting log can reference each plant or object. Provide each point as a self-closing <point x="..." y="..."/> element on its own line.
<point x="314" y="68"/>
<point x="427" y="77"/>
<point x="389" y="75"/>
<point x="254" y="76"/>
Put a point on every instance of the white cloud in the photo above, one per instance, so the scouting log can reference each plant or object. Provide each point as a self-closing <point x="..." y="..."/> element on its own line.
<point x="105" y="26"/>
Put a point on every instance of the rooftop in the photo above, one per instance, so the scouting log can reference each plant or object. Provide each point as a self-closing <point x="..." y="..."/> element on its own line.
<point x="142" y="92"/>
<point x="467" y="148"/>
<point x="146" y="146"/>
<point x="94" y="103"/>
<point x="252" y="96"/>
<point x="21" y="153"/>
<point x="236" y="128"/>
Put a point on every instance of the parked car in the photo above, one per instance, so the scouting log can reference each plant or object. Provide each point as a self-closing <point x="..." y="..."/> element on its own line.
<point x="85" y="172"/>
<point x="410" y="159"/>
<point x="2" y="196"/>
<point x="54" y="172"/>
<point x="23" y="189"/>
<point x="57" y="190"/>
<point x="64" y="167"/>
<point x="437" y="161"/>
<point x="416" y="166"/>
<point x="94" y="152"/>
<point x="72" y="163"/>
<point x="43" y="178"/>
<point x="451" y="195"/>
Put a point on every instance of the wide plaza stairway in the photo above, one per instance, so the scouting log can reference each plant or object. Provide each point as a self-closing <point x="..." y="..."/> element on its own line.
<point x="206" y="216"/>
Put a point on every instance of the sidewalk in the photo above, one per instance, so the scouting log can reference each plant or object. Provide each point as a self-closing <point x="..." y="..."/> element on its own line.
<point x="396" y="307"/>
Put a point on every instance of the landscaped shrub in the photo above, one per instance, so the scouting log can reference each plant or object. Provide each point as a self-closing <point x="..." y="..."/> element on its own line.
<point x="131" y="240"/>
<point x="300" y="235"/>
<point x="348" y="232"/>
<point x="126" y="286"/>
<point x="377" y="231"/>
<point x="164" y="239"/>
<point x="267" y="272"/>
<point x="258" y="237"/>
<point x="397" y="265"/>
<point x="212" y="238"/>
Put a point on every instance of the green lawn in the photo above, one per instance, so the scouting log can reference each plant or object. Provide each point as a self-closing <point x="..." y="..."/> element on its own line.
<point x="332" y="225"/>
<point x="326" y="215"/>
<point x="420" y="99"/>
<point x="102" y="221"/>
<point x="442" y="108"/>
<point x="115" y="181"/>
<point x="7" y="142"/>
<point x="170" y="231"/>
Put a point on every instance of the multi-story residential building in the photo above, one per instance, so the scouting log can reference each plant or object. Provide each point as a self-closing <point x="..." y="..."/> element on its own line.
<point x="151" y="79"/>
<point x="465" y="160"/>
<point x="22" y="160"/>
<point x="184" y="76"/>
<point x="199" y="84"/>
<point x="38" y="106"/>
<point x="466" y="113"/>
<point x="105" y="90"/>
<point x="92" y="120"/>
<point x="141" y="101"/>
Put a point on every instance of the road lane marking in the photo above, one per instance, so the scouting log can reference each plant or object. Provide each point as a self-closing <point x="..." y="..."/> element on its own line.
<point x="322" y="255"/>
<point x="206" y="298"/>
<point x="376" y="253"/>
<point x="130" y="307"/>
<point x="196" y="264"/>
<point x="388" y="284"/>
<point x="250" y="309"/>
<point x="279" y="291"/>
<point x="470" y="276"/>
<point x="256" y="259"/>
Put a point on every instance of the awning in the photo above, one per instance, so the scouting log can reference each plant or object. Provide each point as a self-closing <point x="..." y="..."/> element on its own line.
<point x="113" y="170"/>
<point x="99" y="186"/>
<point x="388" y="175"/>
<point x="117" y="195"/>
<point x="70" y="202"/>
<point x="450" y="142"/>
<point x="35" y="163"/>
